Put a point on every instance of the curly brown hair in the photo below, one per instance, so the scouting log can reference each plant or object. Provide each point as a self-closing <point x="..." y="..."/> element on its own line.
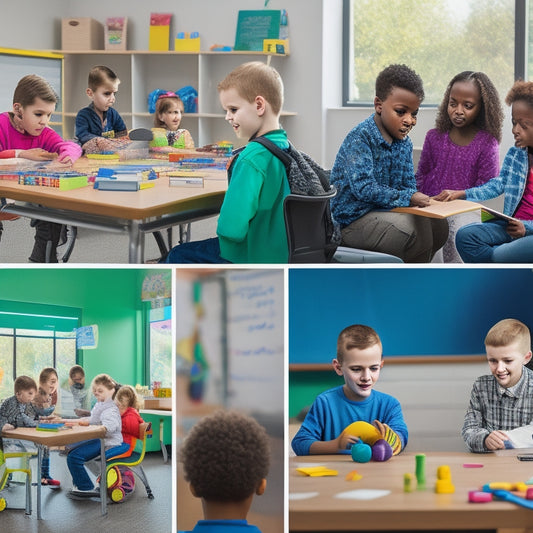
<point x="521" y="90"/>
<point x="490" y="116"/>
<point x="225" y="457"/>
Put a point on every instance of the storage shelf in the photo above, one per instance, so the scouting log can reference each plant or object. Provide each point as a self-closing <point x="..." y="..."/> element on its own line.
<point x="143" y="71"/>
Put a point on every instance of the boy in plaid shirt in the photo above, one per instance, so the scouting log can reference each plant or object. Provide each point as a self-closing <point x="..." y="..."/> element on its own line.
<point x="17" y="410"/>
<point x="503" y="400"/>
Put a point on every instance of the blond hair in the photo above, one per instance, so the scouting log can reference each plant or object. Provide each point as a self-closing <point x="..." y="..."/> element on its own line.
<point x="254" y="79"/>
<point x="127" y="396"/>
<point x="509" y="331"/>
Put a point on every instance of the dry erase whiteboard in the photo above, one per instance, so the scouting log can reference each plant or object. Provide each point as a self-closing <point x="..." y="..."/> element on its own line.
<point x="15" y="64"/>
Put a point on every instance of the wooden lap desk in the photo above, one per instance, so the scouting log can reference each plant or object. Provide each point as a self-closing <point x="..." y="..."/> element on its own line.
<point x="402" y="511"/>
<point x="133" y="212"/>
<point x="60" y="438"/>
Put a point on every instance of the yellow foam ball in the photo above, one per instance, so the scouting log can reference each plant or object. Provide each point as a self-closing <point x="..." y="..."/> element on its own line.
<point x="365" y="431"/>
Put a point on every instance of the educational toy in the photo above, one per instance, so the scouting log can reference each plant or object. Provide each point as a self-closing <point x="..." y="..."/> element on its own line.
<point x="187" y="42"/>
<point x="64" y="181"/>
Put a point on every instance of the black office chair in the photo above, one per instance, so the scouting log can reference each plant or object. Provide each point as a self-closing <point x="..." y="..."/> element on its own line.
<point x="306" y="220"/>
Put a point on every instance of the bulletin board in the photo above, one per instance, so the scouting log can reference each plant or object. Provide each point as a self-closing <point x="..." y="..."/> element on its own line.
<point x="421" y="312"/>
<point x="15" y="64"/>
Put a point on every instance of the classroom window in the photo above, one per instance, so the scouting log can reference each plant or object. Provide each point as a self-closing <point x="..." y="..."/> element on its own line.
<point x="438" y="39"/>
<point x="160" y="346"/>
<point x="35" y="336"/>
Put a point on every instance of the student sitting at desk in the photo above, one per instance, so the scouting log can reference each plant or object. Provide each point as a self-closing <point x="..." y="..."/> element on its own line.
<point x="359" y="361"/>
<point x="503" y="400"/>
<point x="17" y="410"/>
<point x="226" y="457"/>
<point x="128" y="404"/>
<point x="106" y="413"/>
<point x="251" y="226"/>
<point x="99" y="126"/>
<point x="373" y="173"/>
<point x="24" y="133"/>
<point x="167" y="119"/>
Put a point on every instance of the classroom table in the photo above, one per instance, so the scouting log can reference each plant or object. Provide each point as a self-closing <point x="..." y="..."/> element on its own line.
<point x="405" y="511"/>
<point x="132" y="212"/>
<point x="61" y="437"/>
<point x="161" y="414"/>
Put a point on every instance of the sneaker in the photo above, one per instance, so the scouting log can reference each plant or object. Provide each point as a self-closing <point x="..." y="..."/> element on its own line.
<point x="49" y="482"/>
<point x="78" y="493"/>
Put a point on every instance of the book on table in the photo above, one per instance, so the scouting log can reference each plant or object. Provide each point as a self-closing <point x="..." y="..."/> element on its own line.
<point x="438" y="209"/>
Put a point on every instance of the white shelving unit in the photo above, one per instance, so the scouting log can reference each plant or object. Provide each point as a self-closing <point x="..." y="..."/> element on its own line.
<point x="141" y="72"/>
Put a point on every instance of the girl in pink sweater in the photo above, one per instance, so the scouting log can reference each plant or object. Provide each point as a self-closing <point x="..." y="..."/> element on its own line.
<point x="24" y="133"/>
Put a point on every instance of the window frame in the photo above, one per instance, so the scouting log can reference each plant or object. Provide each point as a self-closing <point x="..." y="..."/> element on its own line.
<point x="520" y="50"/>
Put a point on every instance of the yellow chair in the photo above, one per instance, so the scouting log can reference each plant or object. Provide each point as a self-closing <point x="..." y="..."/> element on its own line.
<point x="5" y="472"/>
<point x="133" y="462"/>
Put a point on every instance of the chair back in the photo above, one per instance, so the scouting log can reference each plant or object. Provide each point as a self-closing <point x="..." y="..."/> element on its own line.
<point x="305" y="224"/>
<point x="145" y="431"/>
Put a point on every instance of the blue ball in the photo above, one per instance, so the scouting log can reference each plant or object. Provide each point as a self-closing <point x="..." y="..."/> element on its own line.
<point x="361" y="452"/>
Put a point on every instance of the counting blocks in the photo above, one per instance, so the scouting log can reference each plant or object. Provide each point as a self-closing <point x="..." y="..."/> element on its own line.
<point x="444" y="483"/>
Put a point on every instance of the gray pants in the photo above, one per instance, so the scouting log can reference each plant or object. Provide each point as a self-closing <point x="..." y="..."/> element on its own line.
<point x="413" y="238"/>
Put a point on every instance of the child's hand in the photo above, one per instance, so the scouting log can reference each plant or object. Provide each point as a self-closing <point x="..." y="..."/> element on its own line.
<point x="390" y="436"/>
<point x="37" y="154"/>
<point x="65" y="159"/>
<point x="419" y="199"/>
<point x="345" y="441"/>
<point x="447" y="195"/>
<point x="7" y="427"/>
<point x="516" y="229"/>
<point x="496" y="440"/>
<point x="83" y="422"/>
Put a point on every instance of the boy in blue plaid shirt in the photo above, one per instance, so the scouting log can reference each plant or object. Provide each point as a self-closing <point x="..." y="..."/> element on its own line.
<point x="17" y="411"/>
<point x="503" y="400"/>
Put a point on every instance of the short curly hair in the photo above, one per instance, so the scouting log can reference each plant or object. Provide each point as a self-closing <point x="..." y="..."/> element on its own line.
<point x="490" y="116"/>
<point x="225" y="457"/>
<point x="521" y="90"/>
<point x="398" y="76"/>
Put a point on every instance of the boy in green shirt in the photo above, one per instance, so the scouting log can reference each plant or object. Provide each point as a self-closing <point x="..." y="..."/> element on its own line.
<point x="251" y="227"/>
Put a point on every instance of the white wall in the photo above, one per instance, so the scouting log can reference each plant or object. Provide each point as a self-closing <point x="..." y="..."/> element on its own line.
<point x="312" y="73"/>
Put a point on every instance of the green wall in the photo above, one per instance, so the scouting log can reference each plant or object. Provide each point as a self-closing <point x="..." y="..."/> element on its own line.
<point x="305" y="386"/>
<point x="110" y="298"/>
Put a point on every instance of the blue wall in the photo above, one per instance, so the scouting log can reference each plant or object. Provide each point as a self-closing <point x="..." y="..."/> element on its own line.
<point x="416" y="311"/>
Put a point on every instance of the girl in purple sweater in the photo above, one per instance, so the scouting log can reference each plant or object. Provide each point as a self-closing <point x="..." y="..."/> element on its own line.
<point x="462" y="151"/>
<point x="24" y="133"/>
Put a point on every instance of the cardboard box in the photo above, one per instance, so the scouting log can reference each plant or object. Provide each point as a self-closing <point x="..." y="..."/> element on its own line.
<point x="162" y="404"/>
<point x="187" y="42"/>
<point x="82" y="34"/>
<point x="116" y="33"/>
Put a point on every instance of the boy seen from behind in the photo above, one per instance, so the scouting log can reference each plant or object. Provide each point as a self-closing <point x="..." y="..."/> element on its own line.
<point x="503" y="400"/>
<point x="251" y="226"/>
<point x="17" y="410"/>
<point x="226" y="457"/>
<point x="359" y="361"/>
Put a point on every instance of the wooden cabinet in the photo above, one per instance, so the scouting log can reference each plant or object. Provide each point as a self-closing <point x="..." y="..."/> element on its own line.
<point x="141" y="72"/>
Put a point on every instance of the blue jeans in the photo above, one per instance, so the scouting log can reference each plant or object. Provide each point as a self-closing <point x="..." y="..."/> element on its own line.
<point x="489" y="242"/>
<point x="77" y="458"/>
<point x="206" y="251"/>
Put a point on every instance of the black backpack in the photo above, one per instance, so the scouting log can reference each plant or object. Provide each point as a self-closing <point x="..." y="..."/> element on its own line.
<point x="306" y="177"/>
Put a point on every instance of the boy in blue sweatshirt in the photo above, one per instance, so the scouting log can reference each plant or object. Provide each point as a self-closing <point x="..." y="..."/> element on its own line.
<point x="359" y="361"/>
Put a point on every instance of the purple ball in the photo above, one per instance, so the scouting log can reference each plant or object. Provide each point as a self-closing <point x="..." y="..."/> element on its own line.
<point x="381" y="451"/>
<point x="361" y="452"/>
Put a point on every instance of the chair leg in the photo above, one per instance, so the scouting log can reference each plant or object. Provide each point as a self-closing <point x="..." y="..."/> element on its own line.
<point x="142" y="476"/>
<point x="72" y="233"/>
